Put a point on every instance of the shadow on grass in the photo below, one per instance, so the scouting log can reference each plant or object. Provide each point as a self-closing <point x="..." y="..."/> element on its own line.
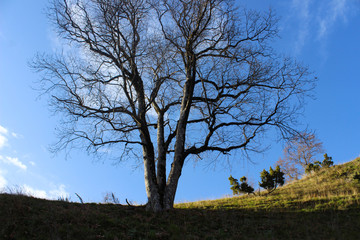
<point x="24" y="217"/>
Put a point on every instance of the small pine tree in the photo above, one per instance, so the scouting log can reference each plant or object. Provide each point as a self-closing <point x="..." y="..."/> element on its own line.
<point x="237" y="188"/>
<point x="313" y="167"/>
<point x="316" y="166"/>
<point x="245" y="187"/>
<point x="272" y="179"/>
<point x="327" y="162"/>
<point x="267" y="181"/>
<point x="278" y="176"/>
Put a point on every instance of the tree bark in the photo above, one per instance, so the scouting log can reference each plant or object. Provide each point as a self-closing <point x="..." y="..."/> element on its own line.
<point x="179" y="150"/>
<point x="161" y="160"/>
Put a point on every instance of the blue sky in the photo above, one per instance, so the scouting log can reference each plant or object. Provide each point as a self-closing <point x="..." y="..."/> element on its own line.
<point x="323" y="34"/>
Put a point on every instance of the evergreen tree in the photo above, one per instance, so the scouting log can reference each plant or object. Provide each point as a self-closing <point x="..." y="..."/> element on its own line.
<point x="266" y="180"/>
<point x="245" y="187"/>
<point x="327" y="162"/>
<point x="316" y="166"/>
<point x="278" y="176"/>
<point x="237" y="188"/>
<point x="313" y="167"/>
<point x="272" y="179"/>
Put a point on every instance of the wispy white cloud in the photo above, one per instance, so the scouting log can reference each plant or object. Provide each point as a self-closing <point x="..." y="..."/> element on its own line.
<point x="51" y="194"/>
<point x="34" y="192"/>
<point x="3" y="130"/>
<point x="16" y="135"/>
<point x="302" y="10"/>
<point x="4" y="134"/>
<point x="59" y="192"/>
<point x="3" y="139"/>
<point x="52" y="191"/>
<point x="315" y="20"/>
<point x="13" y="161"/>
<point x="335" y="10"/>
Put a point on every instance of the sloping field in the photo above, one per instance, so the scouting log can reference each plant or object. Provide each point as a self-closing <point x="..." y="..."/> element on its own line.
<point x="325" y="205"/>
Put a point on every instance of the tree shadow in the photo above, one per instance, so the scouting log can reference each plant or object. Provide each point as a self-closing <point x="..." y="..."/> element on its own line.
<point x="24" y="217"/>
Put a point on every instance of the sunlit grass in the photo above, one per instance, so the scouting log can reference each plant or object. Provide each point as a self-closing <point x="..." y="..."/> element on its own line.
<point x="325" y="205"/>
<point x="332" y="188"/>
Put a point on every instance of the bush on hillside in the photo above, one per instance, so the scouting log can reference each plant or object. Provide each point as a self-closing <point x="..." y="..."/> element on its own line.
<point x="316" y="166"/>
<point x="313" y="167"/>
<point x="357" y="176"/>
<point x="237" y="188"/>
<point x="272" y="179"/>
<point x="327" y="162"/>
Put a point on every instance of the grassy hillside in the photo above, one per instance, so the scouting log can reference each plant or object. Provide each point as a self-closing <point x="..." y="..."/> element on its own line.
<point x="325" y="205"/>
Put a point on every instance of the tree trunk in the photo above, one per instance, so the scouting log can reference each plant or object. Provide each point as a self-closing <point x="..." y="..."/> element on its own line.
<point x="151" y="186"/>
<point x="161" y="160"/>
<point x="179" y="157"/>
<point x="154" y="200"/>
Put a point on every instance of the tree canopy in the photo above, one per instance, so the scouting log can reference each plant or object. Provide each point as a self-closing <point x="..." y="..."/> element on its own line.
<point x="167" y="79"/>
<point x="299" y="152"/>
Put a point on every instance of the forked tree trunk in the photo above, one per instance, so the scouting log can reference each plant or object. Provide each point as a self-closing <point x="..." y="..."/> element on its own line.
<point x="154" y="199"/>
<point x="161" y="195"/>
<point x="158" y="194"/>
<point x="159" y="200"/>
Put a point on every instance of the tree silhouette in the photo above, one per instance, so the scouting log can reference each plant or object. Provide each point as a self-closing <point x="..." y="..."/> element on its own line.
<point x="164" y="80"/>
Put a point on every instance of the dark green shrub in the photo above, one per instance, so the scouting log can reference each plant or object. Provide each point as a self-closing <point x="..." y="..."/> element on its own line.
<point x="327" y="162"/>
<point x="272" y="179"/>
<point x="357" y="176"/>
<point x="267" y="181"/>
<point x="237" y="188"/>
<point x="245" y="187"/>
<point x="316" y="166"/>
<point x="313" y="167"/>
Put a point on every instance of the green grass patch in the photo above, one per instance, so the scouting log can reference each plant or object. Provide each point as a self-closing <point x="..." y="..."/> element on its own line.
<point x="321" y="206"/>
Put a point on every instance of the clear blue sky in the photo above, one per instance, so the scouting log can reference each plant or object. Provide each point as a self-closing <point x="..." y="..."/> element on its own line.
<point x="323" y="34"/>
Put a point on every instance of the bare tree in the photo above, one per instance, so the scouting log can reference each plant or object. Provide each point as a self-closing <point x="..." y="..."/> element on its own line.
<point x="170" y="78"/>
<point x="299" y="152"/>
